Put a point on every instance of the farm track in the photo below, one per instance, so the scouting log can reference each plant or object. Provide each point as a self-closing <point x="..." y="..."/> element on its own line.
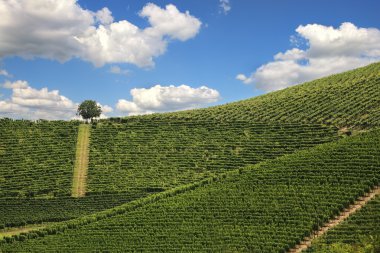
<point x="81" y="162"/>
<point x="7" y="232"/>
<point x="307" y="241"/>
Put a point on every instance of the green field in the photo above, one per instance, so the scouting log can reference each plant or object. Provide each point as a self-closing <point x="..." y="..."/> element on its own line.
<point x="359" y="231"/>
<point x="154" y="155"/>
<point x="264" y="208"/>
<point x="36" y="158"/>
<point x="256" y="175"/>
<point x="351" y="99"/>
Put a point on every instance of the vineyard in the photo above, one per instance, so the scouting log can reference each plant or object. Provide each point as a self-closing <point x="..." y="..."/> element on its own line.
<point x="21" y="211"/>
<point x="36" y="158"/>
<point x="154" y="155"/>
<point x="350" y="99"/>
<point x="264" y="208"/>
<point x="362" y="227"/>
<point x="257" y="175"/>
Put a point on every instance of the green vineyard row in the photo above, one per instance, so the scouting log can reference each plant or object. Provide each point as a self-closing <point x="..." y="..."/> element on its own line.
<point x="36" y="158"/>
<point x="269" y="207"/>
<point x="154" y="155"/>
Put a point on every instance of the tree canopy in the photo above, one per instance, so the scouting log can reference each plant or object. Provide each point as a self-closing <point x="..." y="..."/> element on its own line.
<point x="89" y="109"/>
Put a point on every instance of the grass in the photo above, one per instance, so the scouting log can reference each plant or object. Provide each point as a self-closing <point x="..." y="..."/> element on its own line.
<point x="7" y="232"/>
<point x="81" y="161"/>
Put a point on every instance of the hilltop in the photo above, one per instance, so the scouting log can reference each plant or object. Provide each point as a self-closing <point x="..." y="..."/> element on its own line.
<point x="350" y="99"/>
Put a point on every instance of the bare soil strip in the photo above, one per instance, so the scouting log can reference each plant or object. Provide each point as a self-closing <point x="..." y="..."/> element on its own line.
<point x="307" y="241"/>
<point x="8" y="232"/>
<point x="81" y="162"/>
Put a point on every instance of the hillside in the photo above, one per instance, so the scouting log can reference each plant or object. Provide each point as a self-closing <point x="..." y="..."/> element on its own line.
<point x="358" y="231"/>
<point x="254" y="175"/>
<point x="156" y="155"/>
<point x="350" y="99"/>
<point x="36" y="158"/>
<point x="264" y="208"/>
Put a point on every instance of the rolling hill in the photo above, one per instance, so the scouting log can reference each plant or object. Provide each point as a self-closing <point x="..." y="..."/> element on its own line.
<point x="256" y="175"/>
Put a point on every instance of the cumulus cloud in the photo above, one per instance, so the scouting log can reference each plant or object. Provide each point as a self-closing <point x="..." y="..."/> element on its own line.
<point x="330" y="50"/>
<point x="104" y="16"/>
<point x="224" y="6"/>
<point x="16" y="85"/>
<point x="105" y="110"/>
<point x="30" y="103"/>
<point x="62" y="30"/>
<point x="170" y="22"/>
<point x="167" y="98"/>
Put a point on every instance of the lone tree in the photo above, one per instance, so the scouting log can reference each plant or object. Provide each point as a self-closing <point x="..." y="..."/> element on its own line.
<point x="89" y="109"/>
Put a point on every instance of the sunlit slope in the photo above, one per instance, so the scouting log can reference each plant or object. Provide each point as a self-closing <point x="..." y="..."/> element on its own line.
<point x="36" y="174"/>
<point x="349" y="99"/>
<point x="265" y="208"/>
<point x="156" y="155"/>
<point x="22" y="211"/>
<point x="36" y="158"/>
<point x="362" y="228"/>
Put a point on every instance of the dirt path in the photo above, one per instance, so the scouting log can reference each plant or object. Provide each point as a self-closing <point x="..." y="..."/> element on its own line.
<point x="81" y="161"/>
<point x="18" y="230"/>
<point x="306" y="243"/>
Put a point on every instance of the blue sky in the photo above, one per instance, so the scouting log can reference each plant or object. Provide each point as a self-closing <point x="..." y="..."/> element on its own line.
<point x="220" y="45"/>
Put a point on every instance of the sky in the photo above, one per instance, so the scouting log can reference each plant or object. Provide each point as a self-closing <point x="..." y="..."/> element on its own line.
<point x="138" y="57"/>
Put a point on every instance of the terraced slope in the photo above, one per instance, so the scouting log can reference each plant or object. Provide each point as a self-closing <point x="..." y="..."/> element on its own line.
<point x="36" y="174"/>
<point x="36" y="158"/>
<point x="350" y="99"/>
<point x="358" y="230"/>
<point x="266" y="208"/>
<point x="16" y="212"/>
<point x="154" y="155"/>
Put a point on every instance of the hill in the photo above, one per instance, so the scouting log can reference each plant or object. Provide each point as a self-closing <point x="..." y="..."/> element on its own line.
<point x="258" y="174"/>
<point x="156" y="155"/>
<point x="36" y="158"/>
<point x="265" y="208"/>
<point x="361" y="230"/>
<point x="350" y="99"/>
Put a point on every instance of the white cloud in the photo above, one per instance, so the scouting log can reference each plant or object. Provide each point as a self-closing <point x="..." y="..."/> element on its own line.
<point x="7" y="109"/>
<point x="30" y="103"/>
<point x="167" y="98"/>
<point x="224" y="6"/>
<point x="104" y="16"/>
<point x="61" y="30"/>
<point x="106" y="109"/>
<point x="117" y="70"/>
<point x="170" y="22"/>
<point x="242" y="77"/>
<point x="16" y="85"/>
<point x="330" y="50"/>
<point x="5" y="73"/>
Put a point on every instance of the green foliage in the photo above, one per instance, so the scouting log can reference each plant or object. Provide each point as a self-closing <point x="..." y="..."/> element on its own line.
<point x="265" y="208"/>
<point x="18" y="212"/>
<point x="89" y="109"/>
<point x="154" y="155"/>
<point x="350" y="99"/>
<point x="208" y="199"/>
<point x="369" y="244"/>
<point x="36" y="158"/>
<point x="360" y="232"/>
